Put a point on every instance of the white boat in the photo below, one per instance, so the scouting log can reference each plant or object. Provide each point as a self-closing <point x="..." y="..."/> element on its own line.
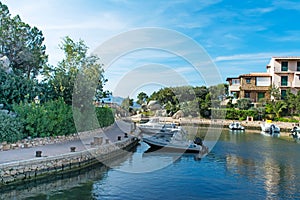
<point x="236" y="126"/>
<point x="295" y="132"/>
<point x="176" y="142"/>
<point x="270" y="129"/>
<point x="153" y="126"/>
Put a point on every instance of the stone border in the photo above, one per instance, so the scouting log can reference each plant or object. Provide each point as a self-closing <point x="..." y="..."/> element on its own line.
<point x="28" y="143"/>
<point x="43" y="166"/>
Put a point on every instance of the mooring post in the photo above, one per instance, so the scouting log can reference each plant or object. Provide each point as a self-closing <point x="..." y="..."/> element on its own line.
<point x="38" y="154"/>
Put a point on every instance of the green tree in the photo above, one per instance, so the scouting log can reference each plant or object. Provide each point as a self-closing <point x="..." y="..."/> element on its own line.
<point x="21" y="44"/>
<point x="15" y="89"/>
<point x="201" y="92"/>
<point x="127" y="104"/>
<point x="276" y="107"/>
<point x="190" y="108"/>
<point x="244" y="104"/>
<point x="219" y="92"/>
<point x="275" y="92"/>
<point x="167" y="98"/>
<point x="62" y="78"/>
<point x="142" y="98"/>
<point x="291" y="101"/>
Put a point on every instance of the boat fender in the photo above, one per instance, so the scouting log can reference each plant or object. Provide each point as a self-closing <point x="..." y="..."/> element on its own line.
<point x="198" y="141"/>
<point x="272" y="128"/>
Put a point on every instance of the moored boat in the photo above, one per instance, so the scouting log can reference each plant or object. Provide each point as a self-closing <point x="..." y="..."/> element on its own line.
<point x="236" y="126"/>
<point x="270" y="129"/>
<point x="295" y="132"/>
<point x="176" y="142"/>
<point x="153" y="126"/>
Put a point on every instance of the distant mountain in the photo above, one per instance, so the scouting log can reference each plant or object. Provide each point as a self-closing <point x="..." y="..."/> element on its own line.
<point x="119" y="100"/>
<point x="112" y="99"/>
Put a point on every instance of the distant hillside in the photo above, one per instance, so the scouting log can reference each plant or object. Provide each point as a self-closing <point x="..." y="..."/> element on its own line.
<point x="119" y="100"/>
<point x="112" y="99"/>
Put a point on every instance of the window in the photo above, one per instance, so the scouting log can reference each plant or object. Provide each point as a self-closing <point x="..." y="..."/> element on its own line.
<point x="284" y="66"/>
<point x="298" y="66"/>
<point x="284" y="81"/>
<point x="260" y="95"/>
<point x="247" y="94"/>
<point x="263" y="81"/>
<point x="248" y="80"/>
<point x="235" y="81"/>
<point x="283" y="94"/>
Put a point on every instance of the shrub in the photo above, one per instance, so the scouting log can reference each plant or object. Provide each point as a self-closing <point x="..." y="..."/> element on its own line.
<point x="55" y="118"/>
<point x="281" y="119"/>
<point x="234" y="114"/>
<point x="11" y="129"/>
<point x="105" y="116"/>
<point x="52" y="118"/>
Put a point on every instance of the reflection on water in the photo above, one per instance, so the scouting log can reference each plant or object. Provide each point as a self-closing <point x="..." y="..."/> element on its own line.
<point x="72" y="185"/>
<point x="250" y="166"/>
<point x="57" y="187"/>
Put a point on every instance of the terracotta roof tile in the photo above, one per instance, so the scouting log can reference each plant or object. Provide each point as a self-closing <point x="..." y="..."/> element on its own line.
<point x="256" y="74"/>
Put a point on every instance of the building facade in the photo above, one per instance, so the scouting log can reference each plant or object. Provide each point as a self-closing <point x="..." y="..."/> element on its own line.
<point x="282" y="72"/>
<point x="254" y="86"/>
<point x="285" y="72"/>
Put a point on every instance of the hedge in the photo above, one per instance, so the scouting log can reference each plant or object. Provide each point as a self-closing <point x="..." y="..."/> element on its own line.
<point x="234" y="114"/>
<point x="52" y="118"/>
<point x="55" y="118"/>
<point x="11" y="129"/>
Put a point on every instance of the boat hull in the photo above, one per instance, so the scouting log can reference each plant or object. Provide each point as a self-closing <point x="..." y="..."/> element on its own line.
<point x="170" y="147"/>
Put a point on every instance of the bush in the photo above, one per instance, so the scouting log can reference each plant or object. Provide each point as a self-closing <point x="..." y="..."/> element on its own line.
<point x="11" y="129"/>
<point x="55" y="118"/>
<point x="234" y="114"/>
<point x="105" y="116"/>
<point x="281" y="119"/>
<point x="52" y="118"/>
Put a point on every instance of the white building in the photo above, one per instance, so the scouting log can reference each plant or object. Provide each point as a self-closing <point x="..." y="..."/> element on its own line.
<point x="285" y="72"/>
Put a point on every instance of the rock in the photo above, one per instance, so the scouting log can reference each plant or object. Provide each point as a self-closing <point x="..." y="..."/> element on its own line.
<point x="6" y="147"/>
<point x="153" y="105"/>
<point x="161" y="113"/>
<point x="4" y="63"/>
<point x="178" y="114"/>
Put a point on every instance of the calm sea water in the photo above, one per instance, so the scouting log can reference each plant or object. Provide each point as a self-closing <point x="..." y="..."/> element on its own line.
<point x="248" y="166"/>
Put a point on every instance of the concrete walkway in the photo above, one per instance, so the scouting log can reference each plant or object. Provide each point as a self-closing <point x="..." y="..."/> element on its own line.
<point x="117" y="129"/>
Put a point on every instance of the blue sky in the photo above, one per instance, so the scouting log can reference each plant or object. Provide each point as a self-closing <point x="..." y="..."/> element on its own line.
<point x="239" y="36"/>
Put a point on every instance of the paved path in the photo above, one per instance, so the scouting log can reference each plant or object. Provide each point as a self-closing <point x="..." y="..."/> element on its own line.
<point x="118" y="129"/>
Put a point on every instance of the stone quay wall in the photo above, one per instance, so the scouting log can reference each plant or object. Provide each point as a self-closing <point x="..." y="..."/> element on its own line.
<point x="43" y="166"/>
<point x="34" y="142"/>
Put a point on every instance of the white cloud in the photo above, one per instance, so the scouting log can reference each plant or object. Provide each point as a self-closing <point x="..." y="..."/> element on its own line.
<point x="254" y="56"/>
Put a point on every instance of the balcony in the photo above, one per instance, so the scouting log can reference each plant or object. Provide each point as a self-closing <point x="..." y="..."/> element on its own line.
<point x="284" y="72"/>
<point x="234" y="87"/>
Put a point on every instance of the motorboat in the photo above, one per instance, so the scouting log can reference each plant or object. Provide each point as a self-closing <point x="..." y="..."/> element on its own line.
<point x="270" y="129"/>
<point x="295" y="132"/>
<point x="236" y="126"/>
<point x="153" y="126"/>
<point x="176" y="142"/>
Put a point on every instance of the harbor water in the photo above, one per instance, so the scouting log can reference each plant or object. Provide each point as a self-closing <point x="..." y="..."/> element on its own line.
<point x="241" y="165"/>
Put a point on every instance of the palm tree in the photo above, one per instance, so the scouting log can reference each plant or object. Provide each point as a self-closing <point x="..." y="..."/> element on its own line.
<point x="276" y="107"/>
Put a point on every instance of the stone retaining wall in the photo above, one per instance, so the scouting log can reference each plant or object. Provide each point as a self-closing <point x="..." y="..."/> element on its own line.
<point x="27" y="143"/>
<point x="38" y="167"/>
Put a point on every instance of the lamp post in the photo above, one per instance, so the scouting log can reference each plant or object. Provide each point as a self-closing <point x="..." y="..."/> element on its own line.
<point x="37" y="100"/>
